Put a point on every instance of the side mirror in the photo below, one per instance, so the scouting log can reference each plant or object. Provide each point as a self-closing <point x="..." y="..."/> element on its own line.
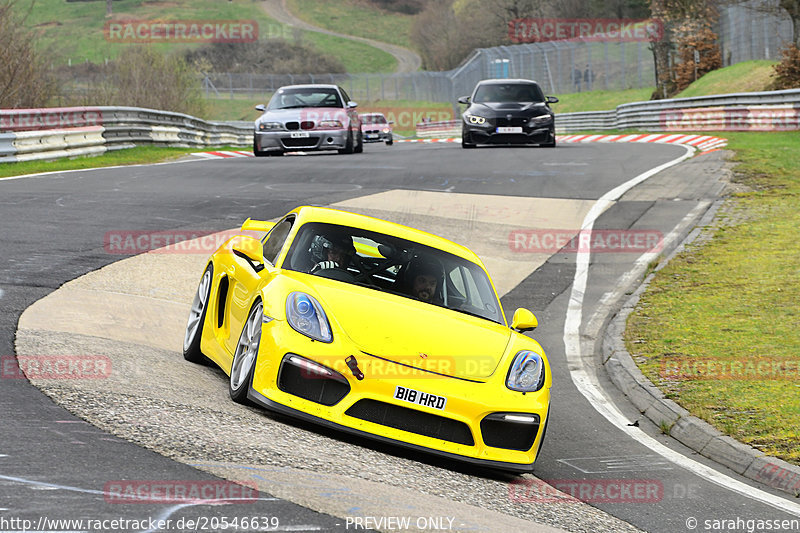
<point x="464" y="100"/>
<point x="352" y="105"/>
<point x="249" y="248"/>
<point x="261" y="107"/>
<point x="391" y="122"/>
<point x="524" y="320"/>
<point x="551" y="100"/>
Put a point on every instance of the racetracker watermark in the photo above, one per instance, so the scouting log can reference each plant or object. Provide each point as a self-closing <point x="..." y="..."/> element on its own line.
<point x="55" y="367"/>
<point x="550" y="241"/>
<point x="751" y="369"/>
<point x="421" y="366"/>
<point x="779" y="477"/>
<point x="194" y="492"/>
<point x="181" y="31"/>
<point x="537" y="30"/>
<point x="407" y="119"/>
<point x="49" y="119"/>
<point x="586" y="490"/>
<point x="131" y="242"/>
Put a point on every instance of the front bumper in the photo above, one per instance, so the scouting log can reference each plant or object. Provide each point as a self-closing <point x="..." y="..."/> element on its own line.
<point x="374" y="136"/>
<point x="284" y="141"/>
<point x="488" y="134"/>
<point x="368" y="407"/>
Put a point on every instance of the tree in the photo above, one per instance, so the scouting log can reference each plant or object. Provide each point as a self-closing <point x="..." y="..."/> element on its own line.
<point x="25" y="79"/>
<point x="688" y="44"/>
<point x="792" y="7"/>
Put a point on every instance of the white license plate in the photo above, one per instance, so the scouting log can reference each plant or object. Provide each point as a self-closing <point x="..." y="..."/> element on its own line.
<point x="509" y="129"/>
<point x="420" y="398"/>
<point x="299" y="134"/>
<point x="371" y="136"/>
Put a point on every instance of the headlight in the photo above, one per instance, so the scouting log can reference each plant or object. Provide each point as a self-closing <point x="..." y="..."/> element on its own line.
<point x="268" y="126"/>
<point x="306" y="316"/>
<point x="540" y="119"/>
<point x="475" y="119"/>
<point x="526" y="373"/>
<point x="387" y="130"/>
<point x="330" y="124"/>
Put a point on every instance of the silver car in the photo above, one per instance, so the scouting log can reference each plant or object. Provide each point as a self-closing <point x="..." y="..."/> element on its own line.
<point x="308" y="117"/>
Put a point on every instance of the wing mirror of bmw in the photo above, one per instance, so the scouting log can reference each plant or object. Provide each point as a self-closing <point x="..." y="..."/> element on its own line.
<point x="464" y="100"/>
<point x="524" y="320"/>
<point x="552" y="100"/>
<point x="261" y="107"/>
<point x="352" y="105"/>
<point x="249" y="248"/>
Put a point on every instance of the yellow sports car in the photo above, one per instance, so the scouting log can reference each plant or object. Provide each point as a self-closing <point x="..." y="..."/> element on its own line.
<point x="376" y="329"/>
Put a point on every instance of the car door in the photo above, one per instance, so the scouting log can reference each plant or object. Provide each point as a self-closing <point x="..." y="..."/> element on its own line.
<point x="246" y="280"/>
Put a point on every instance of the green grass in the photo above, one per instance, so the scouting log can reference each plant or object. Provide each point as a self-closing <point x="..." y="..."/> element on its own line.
<point x="734" y="299"/>
<point x="356" y="18"/>
<point x="355" y="56"/>
<point x="130" y="156"/>
<point x="599" y="100"/>
<point x="746" y="77"/>
<point x="73" y="31"/>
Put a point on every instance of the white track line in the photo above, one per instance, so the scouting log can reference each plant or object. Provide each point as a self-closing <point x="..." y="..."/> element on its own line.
<point x="594" y="393"/>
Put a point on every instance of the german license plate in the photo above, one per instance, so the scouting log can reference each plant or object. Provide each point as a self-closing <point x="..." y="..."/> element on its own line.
<point x="509" y="129"/>
<point x="371" y="136"/>
<point x="420" y="398"/>
<point x="299" y="134"/>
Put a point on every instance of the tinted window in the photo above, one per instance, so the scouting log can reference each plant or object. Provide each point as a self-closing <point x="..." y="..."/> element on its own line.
<point x="508" y="92"/>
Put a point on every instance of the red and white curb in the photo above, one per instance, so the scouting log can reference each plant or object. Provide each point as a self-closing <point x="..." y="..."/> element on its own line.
<point x="223" y="154"/>
<point x="703" y="143"/>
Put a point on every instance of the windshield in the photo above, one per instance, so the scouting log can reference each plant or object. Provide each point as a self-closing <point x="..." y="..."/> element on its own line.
<point x="311" y="97"/>
<point x="397" y="266"/>
<point x="508" y="92"/>
<point x="373" y="119"/>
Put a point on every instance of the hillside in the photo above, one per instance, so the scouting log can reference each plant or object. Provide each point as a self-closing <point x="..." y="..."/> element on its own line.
<point x="73" y="32"/>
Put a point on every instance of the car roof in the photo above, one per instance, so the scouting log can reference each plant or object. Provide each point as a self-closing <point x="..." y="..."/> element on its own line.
<point x="310" y="86"/>
<point x="346" y="218"/>
<point x="501" y="81"/>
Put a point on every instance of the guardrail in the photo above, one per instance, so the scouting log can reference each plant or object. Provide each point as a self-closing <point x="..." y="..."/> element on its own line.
<point x="763" y="111"/>
<point x="30" y="134"/>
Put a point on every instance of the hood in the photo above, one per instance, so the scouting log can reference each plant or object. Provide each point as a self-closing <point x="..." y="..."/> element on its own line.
<point x="413" y="333"/>
<point x="532" y="108"/>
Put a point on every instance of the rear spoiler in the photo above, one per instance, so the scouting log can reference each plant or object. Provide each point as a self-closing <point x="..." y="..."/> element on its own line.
<point x="257" y="225"/>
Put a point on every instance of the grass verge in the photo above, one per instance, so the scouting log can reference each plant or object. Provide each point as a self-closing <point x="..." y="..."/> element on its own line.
<point x="718" y="329"/>
<point x="141" y="155"/>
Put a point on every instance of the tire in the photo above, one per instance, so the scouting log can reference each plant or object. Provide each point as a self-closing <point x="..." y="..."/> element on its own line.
<point x="348" y="147"/>
<point x="389" y="141"/>
<point x="244" y="359"/>
<point x="360" y="144"/>
<point x="552" y="142"/>
<point x="465" y="141"/>
<point x="274" y="153"/>
<point x="197" y="317"/>
<point x="256" y="151"/>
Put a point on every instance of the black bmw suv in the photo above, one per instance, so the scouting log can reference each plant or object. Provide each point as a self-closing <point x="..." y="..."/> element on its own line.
<point x="503" y="111"/>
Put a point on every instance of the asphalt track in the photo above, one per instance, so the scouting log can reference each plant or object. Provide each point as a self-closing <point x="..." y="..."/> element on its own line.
<point x="54" y="464"/>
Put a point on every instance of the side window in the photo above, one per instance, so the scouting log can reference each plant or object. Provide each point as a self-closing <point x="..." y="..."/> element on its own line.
<point x="275" y="239"/>
<point x="345" y="96"/>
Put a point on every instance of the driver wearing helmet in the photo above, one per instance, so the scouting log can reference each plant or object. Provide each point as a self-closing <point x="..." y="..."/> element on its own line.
<point x="331" y="252"/>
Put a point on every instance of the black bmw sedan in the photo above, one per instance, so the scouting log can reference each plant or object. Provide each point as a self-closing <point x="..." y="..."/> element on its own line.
<point x="504" y="111"/>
